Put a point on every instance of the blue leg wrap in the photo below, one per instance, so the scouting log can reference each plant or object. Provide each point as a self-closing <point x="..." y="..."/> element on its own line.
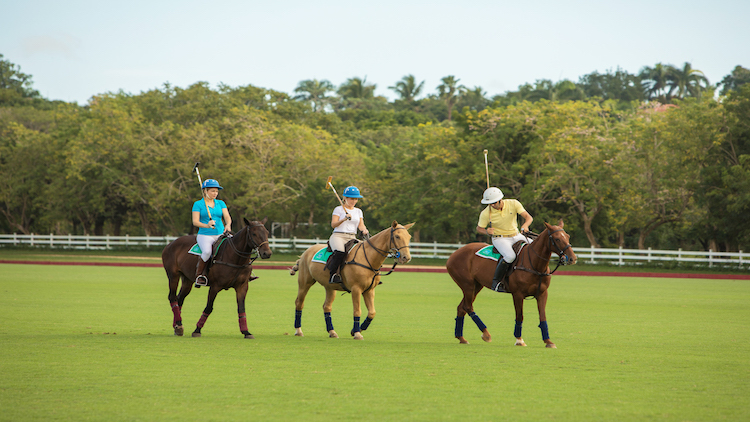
<point x="329" y="323"/>
<point x="517" y="331"/>
<point x="545" y="330"/>
<point x="478" y="321"/>
<point x="366" y="324"/>
<point x="459" y="327"/>
<point x="356" y="325"/>
<point x="297" y="319"/>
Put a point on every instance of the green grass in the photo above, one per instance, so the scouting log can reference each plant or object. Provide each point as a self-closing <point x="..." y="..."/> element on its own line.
<point x="95" y="343"/>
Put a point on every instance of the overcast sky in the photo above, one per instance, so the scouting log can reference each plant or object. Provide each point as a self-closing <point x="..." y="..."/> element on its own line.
<point x="75" y="49"/>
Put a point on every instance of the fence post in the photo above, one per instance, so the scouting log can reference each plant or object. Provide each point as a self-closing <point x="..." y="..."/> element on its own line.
<point x="620" y="255"/>
<point x="32" y="239"/>
<point x="107" y="242"/>
<point x="649" y="255"/>
<point x="70" y="240"/>
<point x="50" y="241"/>
<point x="710" y="258"/>
<point x="592" y="255"/>
<point x="740" y="259"/>
<point x="15" y="239"/>
<point x="434" y="249"/>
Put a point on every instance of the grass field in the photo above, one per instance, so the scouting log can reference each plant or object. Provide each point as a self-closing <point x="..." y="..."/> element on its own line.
<point x="95" y="343"/>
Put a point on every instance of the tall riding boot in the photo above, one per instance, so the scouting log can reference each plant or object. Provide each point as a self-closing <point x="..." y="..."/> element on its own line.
<point x="337" y="258"/>
<point x="498" y="281"/>
<point x="200" y="274"/>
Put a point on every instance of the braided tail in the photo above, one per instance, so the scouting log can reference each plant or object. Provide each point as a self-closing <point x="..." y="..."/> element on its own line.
<point x="295" y="268"/>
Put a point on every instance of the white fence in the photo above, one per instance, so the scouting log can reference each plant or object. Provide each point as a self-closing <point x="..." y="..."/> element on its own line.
<point x="618" y="256"/>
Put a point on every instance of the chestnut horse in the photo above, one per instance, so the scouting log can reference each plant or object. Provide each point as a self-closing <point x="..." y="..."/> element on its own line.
<point x="230" y="266"/>
<point x="360" y="275"/>
<point x="529" y="276"/>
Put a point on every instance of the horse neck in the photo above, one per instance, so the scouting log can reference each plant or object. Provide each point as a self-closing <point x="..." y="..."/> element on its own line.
<point x="239" y="240"/>
<point x="542" y="253"/>
<point x="380" y="241"/>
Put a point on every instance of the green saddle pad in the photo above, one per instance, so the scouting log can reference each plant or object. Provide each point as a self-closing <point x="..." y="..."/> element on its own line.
<point x="196" y="249"/>
<point x="486" y="252"/>
<point x="321" y="256"/>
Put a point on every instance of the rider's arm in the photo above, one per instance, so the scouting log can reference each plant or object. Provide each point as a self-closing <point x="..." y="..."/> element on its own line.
<point x="527" y="220"/>
<point x="362" y="227"/>
<point x="227" y="220"/>
<point x="197" y="221"/>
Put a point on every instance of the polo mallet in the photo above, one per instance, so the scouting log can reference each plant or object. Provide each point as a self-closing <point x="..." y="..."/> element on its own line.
<point x="330" y="185"/>
<point x="200" y="182"/>
<point x="486" y="169"/>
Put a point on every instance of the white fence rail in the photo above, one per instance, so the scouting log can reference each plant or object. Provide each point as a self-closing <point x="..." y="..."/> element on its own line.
<point x="618" y="256"/>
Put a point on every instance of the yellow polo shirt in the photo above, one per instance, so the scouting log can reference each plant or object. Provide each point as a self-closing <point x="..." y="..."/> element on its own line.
<point x="505" y="221"/>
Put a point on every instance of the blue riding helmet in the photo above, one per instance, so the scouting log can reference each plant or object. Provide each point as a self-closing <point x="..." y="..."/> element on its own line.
<point x="351" y="192"/>
<point x="211" y="183"/>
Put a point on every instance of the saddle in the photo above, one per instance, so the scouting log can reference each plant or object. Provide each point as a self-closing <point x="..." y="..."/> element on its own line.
<point x="347" y="246"/>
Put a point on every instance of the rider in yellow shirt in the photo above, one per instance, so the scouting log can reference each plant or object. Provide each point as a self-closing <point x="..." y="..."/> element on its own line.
<point x="500" y="220"/>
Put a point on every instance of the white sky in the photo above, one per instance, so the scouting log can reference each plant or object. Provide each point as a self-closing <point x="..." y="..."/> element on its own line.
<point x="75" y="49"/>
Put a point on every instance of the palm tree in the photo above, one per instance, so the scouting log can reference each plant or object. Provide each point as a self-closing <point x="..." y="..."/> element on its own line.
<point x="314" y="91"/>
<point x="407" y="88"/>
<point x="656" y="80"/>
<point x="687" y="81"/>
<point x="449" y="91"/>
<point x="356" y="88"/>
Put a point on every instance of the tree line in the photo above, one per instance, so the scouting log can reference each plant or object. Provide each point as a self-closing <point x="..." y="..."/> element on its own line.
<point x="649" y="160"/>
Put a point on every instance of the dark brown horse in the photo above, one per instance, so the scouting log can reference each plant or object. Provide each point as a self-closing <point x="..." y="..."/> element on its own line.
<point x="359" y="276"/>
<point x="529" y="277"/>
<point x="230" y="266"/>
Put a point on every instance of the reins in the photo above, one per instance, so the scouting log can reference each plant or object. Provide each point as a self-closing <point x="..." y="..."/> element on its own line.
<point x="559" y="251"/>
<point x="242" y="254"/>
<point x="392" y="251"/>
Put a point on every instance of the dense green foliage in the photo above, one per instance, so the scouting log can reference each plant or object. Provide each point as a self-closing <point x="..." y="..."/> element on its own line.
<point x="647" y="160"/>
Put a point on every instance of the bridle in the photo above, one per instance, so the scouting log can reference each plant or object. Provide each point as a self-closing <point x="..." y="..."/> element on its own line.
<point x="393" y="251"/>
<point x="250" y="256"/>
<point x="554" y="248"/>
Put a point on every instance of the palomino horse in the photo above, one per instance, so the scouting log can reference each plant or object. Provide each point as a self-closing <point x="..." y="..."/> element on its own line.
<point x="529" y="276"/>
<point x="231" y="266"/>
<point x="359" y="276"/>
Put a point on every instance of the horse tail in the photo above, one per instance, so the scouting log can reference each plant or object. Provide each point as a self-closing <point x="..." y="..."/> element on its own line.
<point x="294" y="268"/>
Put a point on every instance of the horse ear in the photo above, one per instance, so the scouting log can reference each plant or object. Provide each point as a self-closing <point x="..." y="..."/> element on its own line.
<point x="394" y="224"/>
<point x="561" y="224"/>
<point x="547" y="225"/>
<point x="263" y="221"/>
<point x="408" y="226"/>
<point x="247" y="223"/>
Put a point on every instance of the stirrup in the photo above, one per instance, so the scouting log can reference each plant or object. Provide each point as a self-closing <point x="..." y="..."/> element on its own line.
<point x="498" y="287"/>
<point x="335" y="279"/>
<point x="201" y="280"/>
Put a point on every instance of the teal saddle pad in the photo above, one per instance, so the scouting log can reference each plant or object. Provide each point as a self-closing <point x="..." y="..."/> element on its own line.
<point x="196" y="249"/>
<point x="321" y="256"/>
<point x="486" y="252"/>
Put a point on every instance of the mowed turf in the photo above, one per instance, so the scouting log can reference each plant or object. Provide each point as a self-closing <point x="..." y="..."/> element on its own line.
<point x="95" y="343"/>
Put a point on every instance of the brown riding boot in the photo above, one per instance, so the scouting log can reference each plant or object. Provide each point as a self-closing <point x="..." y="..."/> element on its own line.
<point x="200" y="274"/>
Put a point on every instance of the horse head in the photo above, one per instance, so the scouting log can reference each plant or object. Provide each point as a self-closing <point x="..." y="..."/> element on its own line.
<point x="399" y="242"/>
<point x="257" y="237"/>
<point x="559" y="243"/>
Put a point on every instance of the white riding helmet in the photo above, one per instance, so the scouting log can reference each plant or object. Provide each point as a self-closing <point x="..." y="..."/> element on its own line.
<point x="492" y="195"/>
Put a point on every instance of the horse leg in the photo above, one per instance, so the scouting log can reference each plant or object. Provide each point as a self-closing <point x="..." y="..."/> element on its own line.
<point x="241" y="294"/>
<point x="518" y="304"/>
<point x="327" y="306"/>
<point x="357" y="305"/>
<point x="206" y="312"/>
<point x="541" y="303"/>
<point x="174" y="279"/>
<point x="305" y="282"/>
<point x="370" y="304"/>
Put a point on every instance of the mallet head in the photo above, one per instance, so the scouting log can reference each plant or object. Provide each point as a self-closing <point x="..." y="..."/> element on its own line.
<point x="195" y="167"/>
<point x="328" y="183"/>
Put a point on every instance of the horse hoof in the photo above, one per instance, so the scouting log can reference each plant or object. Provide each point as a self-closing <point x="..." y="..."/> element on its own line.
<point x="551" y="346"/>
<point x="250" y="336"/>
<point x="332" y="334"/>
<point x="462" y="340"/>
<point x="196" y="334"/>
<point x="358" y="336"/>
<point x="179" y="331"/>
<point x="486" y="337"/>
<point x="520" y="342"/>
<point x="299" y="333"/>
